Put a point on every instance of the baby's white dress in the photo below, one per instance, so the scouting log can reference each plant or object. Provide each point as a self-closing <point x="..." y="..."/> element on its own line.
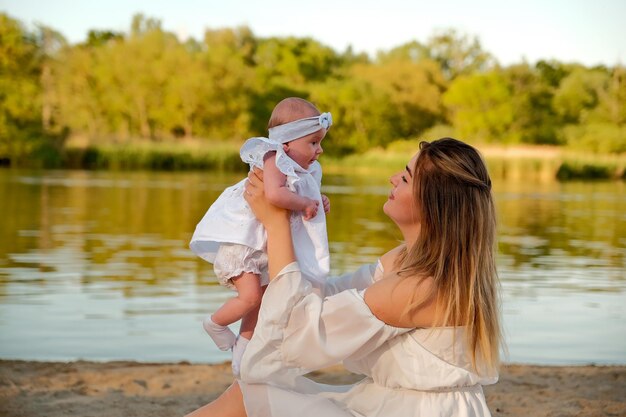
<point x="230" y="237"/>
<point x="407" y="372"/>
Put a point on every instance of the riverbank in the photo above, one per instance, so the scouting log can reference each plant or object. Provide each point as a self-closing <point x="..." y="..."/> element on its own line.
<point x="515" y="162"/>
<point x="527" y="162"/>
<point x="90" y="389"/>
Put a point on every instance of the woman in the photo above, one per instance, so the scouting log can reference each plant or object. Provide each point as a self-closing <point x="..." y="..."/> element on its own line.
<point x="422" y="325"/>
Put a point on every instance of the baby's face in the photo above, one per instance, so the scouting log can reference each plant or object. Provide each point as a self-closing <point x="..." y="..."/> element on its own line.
<point x="307" y="149"/>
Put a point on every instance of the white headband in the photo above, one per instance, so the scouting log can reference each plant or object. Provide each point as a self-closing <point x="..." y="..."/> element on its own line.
<point x="299" y="128"/>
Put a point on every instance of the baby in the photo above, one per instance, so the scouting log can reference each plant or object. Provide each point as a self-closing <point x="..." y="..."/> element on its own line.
<point x="230" y="237"/>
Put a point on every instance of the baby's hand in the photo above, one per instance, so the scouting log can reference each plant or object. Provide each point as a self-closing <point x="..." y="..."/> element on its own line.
<point x="310" y="210"/>
<point x="325" y="203"/>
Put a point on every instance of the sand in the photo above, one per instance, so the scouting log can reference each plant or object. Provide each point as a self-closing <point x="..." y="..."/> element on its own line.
<point x="131" y="389"/>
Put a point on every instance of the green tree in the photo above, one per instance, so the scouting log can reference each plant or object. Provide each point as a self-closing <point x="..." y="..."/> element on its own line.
<point x="579" y="93"/>
<point x="294" y="61"/>
<point x="49" y="43"/>
<point x="551" y="72"/>
<point x="21" y="129"/>
<point x="611" y="107"/>
<point x="184" y="97"/>
<point x="413" y="51"/>
<point x="79" y="92"/>
<point x="147" y="84"/>
<point x="591" y="103"/>
<point x="481" y="107"/>
<point x="361" y="114"/>
<point x="458" y="54"/>
<point x="289" y="67"/>
<point x="142" y="72"/>
<point x="226" y="96"/>
<point x="97" y="38"/>
<point x="413" y="89"/>
<point x="535" y="120"/>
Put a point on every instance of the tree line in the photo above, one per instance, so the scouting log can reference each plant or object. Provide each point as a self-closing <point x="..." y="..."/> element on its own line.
<point x="147" y="84"/>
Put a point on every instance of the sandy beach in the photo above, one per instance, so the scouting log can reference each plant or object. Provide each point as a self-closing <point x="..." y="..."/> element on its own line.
<point x="132" y="389"/>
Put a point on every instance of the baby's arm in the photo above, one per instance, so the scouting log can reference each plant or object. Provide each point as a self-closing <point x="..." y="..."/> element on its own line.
<point x="278" y="194"/>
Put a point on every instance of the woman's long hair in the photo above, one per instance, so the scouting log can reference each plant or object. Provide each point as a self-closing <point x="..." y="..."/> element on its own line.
<point x="456" y="244"/>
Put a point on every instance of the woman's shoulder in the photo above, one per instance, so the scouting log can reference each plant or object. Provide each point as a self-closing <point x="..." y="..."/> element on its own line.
<point x="389" y="259"/>
<point x="391" y="300"/>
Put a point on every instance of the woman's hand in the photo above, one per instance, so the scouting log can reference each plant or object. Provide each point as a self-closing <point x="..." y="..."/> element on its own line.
<point x="276" y="222"/>
<point x="254" y="194"/>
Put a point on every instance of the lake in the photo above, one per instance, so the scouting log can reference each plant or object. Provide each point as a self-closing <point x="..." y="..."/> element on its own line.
<point x="96" y="265"/>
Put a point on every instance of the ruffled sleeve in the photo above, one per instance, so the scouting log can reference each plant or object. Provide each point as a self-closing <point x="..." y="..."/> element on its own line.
<point x="359" y="280"/>
<point x="298" y="331"/>
<point x="253" y="152"/>
<point x="316" y="171"/>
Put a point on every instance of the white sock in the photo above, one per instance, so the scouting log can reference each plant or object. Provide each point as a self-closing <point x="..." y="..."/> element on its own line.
<point x="223" y="337"/>
<point x="238" y="348"/>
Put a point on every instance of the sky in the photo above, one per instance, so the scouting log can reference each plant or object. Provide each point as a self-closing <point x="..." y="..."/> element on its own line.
<point x="590" y="32"/>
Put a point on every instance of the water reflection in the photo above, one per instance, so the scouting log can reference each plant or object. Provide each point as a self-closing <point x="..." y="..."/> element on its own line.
<point x="95" y="265"/>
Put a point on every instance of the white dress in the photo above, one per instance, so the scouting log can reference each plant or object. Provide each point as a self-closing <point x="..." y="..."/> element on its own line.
<point x="407" y="372"/>
<point x="230" y="221"/>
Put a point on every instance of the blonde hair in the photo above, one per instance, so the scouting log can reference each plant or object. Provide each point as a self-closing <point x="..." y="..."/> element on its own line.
<point x="290" y="109"/>
<point x="456" y="244"/>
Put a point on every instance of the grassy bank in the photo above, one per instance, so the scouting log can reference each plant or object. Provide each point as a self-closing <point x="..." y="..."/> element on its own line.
<point x="190" y="155"/>
<point x="514" y="162"/>
<point x="543" y="163"/>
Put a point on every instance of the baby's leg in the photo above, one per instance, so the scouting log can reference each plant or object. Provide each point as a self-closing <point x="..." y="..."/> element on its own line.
<point x="248" y="321"/>
<point x="248" y="298"/>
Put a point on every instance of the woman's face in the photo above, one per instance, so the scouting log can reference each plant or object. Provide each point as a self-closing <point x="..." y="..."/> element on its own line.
<point x="401" y="206"/>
